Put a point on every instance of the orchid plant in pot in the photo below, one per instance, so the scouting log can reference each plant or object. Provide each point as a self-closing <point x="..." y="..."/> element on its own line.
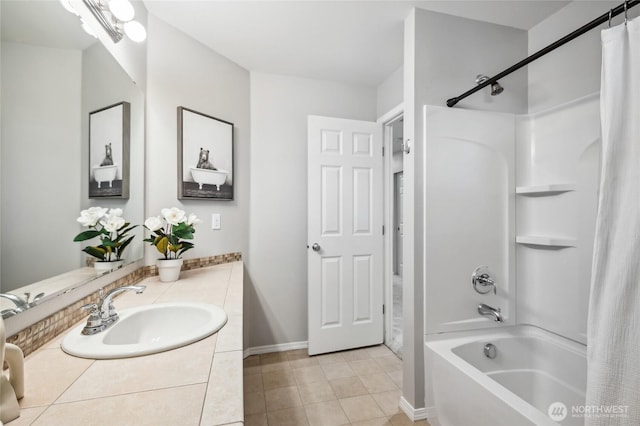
<point x="111" y="228"/>
<point x="170" y="232"/>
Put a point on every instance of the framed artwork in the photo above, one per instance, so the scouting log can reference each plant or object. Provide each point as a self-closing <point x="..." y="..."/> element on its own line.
<point x="109" y="136"/>
<point x="205" y="156"/>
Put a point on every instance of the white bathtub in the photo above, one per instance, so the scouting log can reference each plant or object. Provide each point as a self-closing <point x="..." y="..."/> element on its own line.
<point x="532" y="369"/>
<point x="209" y="177"/>
<point x="105" y="174"/>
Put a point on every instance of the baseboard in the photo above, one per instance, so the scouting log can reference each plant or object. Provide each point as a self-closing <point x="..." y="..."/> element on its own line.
<point x="282" y="347"/>
<point x="416" y="414"/>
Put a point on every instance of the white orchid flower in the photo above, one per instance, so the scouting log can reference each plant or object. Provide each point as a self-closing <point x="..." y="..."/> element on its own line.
<point x="91" y="216"/>
<point x="192" y="220"/>
<point x="173" y="216"/>
<point x="115" y="212"/>
<point x="153" y="223"/>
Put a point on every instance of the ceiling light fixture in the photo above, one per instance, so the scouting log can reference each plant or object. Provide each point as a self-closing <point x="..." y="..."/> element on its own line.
<point x="122" y="10"/>
<point x="67" y="5"/>
<point x="116" y="16"/>
<point x="87" y="29"/>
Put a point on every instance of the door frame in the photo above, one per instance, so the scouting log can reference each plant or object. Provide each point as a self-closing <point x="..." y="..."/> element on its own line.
<point x="385" y="121"/>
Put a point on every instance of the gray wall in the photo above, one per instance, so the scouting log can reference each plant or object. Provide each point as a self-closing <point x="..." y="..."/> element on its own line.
<point x="277" y="261"/>
<point x="105" y="83"/>
<point x="40" y="139"/>
<point x="443" y="55"/>
<point x="573" y="70"/>
<point x="453" y="50"/>
<point x="389" y="92"/>
<point x="183" y="72"/>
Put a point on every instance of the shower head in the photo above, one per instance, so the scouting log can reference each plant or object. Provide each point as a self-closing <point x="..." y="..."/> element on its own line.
<point x="496" y="88"/>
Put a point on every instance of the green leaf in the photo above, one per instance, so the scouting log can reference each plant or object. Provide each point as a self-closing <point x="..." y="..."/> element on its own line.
<point x="185" y="233"/>
<point x="180" y="226"/>
<point x="173" y="240"/>
<point x="162" y="245"/>
<point x="95" y="252"/>
<point x="185" y="246"/>
<point x="122" y="232"/>
<point x="123" y="246"/>
<point x="87" y="235"/>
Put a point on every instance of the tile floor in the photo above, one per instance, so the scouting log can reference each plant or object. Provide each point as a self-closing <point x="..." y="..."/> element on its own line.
<point x="358" y="387"/>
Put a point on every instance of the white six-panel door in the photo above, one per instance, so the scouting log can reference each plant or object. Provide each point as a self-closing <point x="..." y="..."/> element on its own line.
<point x="345" y="218"/>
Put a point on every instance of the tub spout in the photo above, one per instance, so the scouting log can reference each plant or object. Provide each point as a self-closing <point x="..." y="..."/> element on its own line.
<point x="488" y="311"/>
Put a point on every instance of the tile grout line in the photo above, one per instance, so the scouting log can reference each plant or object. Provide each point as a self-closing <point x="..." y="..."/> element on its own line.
<point x="213" y="357"/>
<point x="379" y="371"/>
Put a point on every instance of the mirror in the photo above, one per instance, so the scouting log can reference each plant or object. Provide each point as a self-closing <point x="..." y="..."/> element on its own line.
<point x="53" y="75"/>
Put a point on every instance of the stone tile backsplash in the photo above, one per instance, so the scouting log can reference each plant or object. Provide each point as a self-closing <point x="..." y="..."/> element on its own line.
<point x="38" y="334"/>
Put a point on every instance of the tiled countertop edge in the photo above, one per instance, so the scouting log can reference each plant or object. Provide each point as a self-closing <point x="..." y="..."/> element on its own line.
<point x="40" y="333"/>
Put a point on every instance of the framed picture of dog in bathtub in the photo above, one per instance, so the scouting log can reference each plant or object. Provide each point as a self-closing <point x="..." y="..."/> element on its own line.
<point x="205" y="156"/>
<point x="109" y="133"/>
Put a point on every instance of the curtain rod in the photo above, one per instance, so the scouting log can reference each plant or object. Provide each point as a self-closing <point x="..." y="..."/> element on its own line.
<point x="585" y="28"/>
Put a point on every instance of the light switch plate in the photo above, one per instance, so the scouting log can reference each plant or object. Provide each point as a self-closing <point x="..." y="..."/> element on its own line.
<point x="215" y="221"/>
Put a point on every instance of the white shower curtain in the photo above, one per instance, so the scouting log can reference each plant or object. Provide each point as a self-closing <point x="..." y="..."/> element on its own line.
<point x="613" y="384"/>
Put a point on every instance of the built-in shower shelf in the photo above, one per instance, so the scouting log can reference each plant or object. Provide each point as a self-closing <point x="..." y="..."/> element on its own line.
<point x="545" y="241"/>
<point x="551" y="189"/>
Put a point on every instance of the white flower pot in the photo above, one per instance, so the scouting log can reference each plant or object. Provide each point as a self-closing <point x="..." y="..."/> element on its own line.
<point x="102" y="267"/>
<point x="169" y="269"/>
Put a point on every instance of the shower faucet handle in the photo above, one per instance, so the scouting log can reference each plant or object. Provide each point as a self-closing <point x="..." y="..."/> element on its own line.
<point x="482" y="281"/>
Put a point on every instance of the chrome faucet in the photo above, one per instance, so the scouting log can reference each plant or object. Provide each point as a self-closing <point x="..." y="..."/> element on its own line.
<point x="488" y="311"/>
<point x="105" y="305"/>
<point x="103" y="314"/>
<point x="21" y="304"/>
<point x="6" y="313"/>
<point x="482" y="281"/>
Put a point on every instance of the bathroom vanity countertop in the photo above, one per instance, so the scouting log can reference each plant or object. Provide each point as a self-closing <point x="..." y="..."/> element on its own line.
<point x="198" y="384"/>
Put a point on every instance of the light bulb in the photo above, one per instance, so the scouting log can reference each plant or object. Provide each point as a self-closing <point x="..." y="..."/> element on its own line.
<point x="122" y="10"/>
<point x="135" y="31"/>
<point x="87" y="28"/>
<point x="67" y="5"/>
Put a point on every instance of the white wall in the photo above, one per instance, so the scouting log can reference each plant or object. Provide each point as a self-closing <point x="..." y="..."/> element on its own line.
<point x="553" y="282"/>
<point x="560" y="143"/>
<point x="105" y="83"/>
<point x="433" y="72"/>
<point x="277" y="260"/>
<point x="183" y="72"/>
<point x="454" y="50"/>
<point x="390" y="92"/>
<point x="40" y="122"/>
<point x="572" y="70"/>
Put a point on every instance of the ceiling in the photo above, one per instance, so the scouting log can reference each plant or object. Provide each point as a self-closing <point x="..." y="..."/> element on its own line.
<point x="352" y="41"/>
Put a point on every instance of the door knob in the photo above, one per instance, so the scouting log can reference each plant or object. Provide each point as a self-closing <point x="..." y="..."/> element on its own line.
<point x="315" y="247"/>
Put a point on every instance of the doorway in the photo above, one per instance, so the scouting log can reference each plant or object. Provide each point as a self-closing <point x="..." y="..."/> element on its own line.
<point x="394" y="183"/>
<point x="345" y="225"/>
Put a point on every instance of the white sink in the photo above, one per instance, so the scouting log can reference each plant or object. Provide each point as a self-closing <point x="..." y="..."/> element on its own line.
<point x="146" y="330"/>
